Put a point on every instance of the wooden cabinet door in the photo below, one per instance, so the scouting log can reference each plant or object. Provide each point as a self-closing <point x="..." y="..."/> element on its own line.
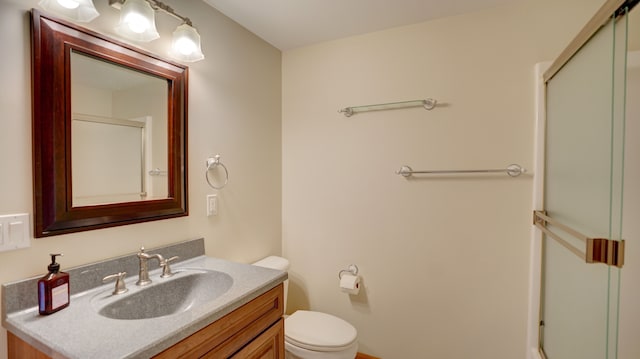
<point x="269" y="345"/>
<point x="19" y="349"/>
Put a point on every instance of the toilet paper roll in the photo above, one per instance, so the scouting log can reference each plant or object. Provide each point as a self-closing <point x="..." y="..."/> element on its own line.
<point x="350" y="283"/>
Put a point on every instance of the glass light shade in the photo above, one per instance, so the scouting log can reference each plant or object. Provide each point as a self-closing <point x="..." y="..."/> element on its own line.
<point x="137" y="21"/>
<point x="185" y="45"/>
<point x="74" y="10"/>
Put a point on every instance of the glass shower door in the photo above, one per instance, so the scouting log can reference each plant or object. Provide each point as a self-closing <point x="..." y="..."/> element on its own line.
<point x="583" y="190"/>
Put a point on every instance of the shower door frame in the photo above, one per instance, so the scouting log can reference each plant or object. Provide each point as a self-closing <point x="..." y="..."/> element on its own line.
<point x="544" y="72"/>
<point x="535" y="264"/>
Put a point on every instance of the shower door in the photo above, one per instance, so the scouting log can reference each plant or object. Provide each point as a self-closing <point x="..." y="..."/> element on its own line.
<point x="583" y="191"/>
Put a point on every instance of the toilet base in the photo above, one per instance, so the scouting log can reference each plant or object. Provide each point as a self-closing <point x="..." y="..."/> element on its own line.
<point x="293" y="352"/>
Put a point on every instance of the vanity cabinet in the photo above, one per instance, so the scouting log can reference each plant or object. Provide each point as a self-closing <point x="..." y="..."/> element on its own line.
<point x="253" y="331"/>
<point x="18" y="349"/>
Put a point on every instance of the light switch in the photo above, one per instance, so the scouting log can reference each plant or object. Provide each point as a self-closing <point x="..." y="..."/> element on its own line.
<point x="14" y="231"/>
<point x="212" y="205"/>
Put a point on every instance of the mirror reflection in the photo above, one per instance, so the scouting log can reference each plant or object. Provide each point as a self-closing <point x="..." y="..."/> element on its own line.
<point x="118" y="133"/>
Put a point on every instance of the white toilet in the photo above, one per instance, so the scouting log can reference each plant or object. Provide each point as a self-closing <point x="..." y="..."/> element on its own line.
<point x="313" y="335"/>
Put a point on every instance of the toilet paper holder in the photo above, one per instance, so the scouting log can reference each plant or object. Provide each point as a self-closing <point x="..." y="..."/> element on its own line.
<point x="353" y="269"/>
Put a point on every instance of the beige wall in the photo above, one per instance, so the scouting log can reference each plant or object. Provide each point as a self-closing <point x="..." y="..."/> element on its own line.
<point x="444" y="259"/>
<point x="234" y="109"/>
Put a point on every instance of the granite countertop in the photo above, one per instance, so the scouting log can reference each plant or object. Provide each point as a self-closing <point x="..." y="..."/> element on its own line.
<point x="78" y="331"/>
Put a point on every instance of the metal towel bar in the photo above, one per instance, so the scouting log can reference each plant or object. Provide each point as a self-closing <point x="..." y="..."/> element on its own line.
<point x="597" y="250"/>
<point x="428" y="104"/>
<point x="512" y="170"/>
<point x="157" y="172"/>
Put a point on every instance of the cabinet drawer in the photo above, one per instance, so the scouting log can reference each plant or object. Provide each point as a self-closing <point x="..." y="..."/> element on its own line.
<point x="269" y="345"/>
<point x="232" y="332"/>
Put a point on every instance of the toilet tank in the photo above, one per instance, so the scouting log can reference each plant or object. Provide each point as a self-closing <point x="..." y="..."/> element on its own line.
<point x="279" y="263"/>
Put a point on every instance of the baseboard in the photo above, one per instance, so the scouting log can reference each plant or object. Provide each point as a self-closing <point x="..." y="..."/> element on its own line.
<point x="365" y="356"/>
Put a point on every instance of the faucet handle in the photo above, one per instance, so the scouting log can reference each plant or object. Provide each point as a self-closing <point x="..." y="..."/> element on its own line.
<point x="120" y="285"/>
<point x="166" y="269"/>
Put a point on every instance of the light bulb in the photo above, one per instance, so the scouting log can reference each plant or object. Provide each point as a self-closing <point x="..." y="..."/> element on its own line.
<point x="69" y="4"/>
<point x="137" y="23"/>
<point x="185" y="46"/>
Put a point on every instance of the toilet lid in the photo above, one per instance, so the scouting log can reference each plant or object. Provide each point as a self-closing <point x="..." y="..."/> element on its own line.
<point x="318" y="331"/>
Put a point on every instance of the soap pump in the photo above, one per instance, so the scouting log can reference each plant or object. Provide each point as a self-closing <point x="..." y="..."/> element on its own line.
<point x="53" y="289"/>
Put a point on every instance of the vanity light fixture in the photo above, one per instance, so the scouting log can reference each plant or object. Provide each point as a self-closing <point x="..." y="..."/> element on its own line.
<point x="74" y="10"/>
<point x="185" y="44"/>
<point x="137" y="22"/>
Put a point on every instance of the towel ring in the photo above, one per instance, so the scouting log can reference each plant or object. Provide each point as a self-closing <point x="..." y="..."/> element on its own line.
<point x="213" y="162"/>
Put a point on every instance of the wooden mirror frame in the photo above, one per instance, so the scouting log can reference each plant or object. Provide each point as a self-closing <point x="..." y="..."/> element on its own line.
<point x="52" y="42"/>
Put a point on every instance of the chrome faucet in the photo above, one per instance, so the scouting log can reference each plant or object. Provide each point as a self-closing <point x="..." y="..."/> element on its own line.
<point x="166" y="269"/>
<point x="143" y="275"/>
<point x="120" y="285"/>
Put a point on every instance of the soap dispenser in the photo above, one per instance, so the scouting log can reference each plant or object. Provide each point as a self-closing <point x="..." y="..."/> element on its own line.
<point x="53" y="289"/>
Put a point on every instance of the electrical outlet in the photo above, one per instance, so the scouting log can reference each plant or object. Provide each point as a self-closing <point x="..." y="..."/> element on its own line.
<point x="212" y="205"/>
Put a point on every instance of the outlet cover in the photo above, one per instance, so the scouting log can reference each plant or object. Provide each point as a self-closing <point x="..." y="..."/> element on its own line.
<point x="14" y="232"/>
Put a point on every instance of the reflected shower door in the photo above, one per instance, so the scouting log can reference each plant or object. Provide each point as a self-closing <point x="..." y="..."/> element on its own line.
<point x="583" y="190"/>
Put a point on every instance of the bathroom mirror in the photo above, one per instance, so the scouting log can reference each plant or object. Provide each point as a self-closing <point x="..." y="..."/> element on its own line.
<point x="109" y="131"/>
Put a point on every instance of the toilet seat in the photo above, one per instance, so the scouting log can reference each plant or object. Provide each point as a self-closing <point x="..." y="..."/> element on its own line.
<point x="319" y="331"/>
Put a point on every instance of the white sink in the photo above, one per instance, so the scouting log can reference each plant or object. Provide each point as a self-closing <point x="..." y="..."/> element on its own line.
<point x="187" y="289"/>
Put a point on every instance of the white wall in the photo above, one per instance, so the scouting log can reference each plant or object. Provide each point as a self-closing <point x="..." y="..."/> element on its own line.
<point x="234" y="109"/>
<point x="91" y="101"/>
<point x="444" y="259"/>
